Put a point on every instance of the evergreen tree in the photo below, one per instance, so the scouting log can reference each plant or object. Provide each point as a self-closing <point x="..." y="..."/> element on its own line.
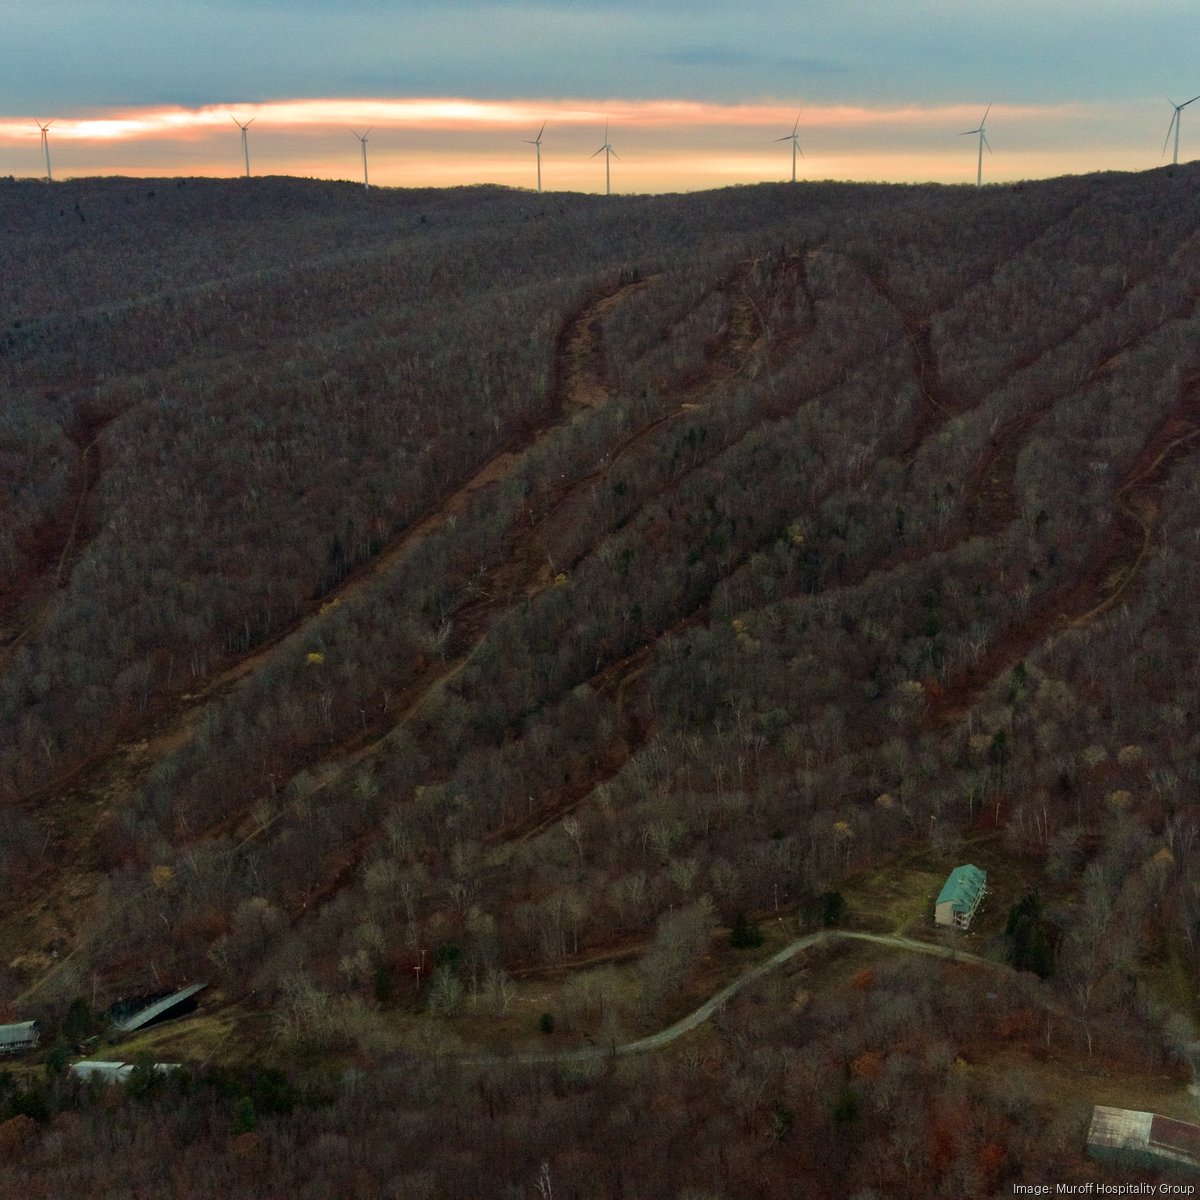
<point x="745" y="934"/>
<point x="1027" y="938"/>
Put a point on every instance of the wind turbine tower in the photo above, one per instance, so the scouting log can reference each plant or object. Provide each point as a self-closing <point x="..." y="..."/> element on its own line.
<point x="982" y="142"/>
<point x="794" y="138"/>
<point x="1176" y="121"/>
<point x="362" y="137"/>
<point x="537" y="141"/>
<point x="607" y="151"/>
<point x="46" y="147"/>
<point x="245" y="140"/>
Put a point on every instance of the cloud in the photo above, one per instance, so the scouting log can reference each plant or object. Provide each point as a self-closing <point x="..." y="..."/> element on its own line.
<point x="723" y="56"/>
<point x="464" y="114"/>
<point x="59" y="55"/>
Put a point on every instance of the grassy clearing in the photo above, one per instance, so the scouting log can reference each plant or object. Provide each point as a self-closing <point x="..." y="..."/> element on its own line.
<point x="225" y="1035"/>
<point x="896" y="898"/>
<point x="482" y="1026"/>
<point x="1064" y="1081"/>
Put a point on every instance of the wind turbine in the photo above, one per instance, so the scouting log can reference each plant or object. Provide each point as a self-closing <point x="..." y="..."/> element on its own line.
<point x="1176" y="121"/>
<point x="362" y="137"/>
<point x="794" y="138"/>
<point x="537" y="141"/>
<point x="245" y="140"/>
<point x="46" y="146"/>
<point x="606" y="150"/>
<point x="982" y="142"/>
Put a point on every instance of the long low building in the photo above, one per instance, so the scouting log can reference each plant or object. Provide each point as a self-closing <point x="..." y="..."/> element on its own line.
<point x="114" y="1072"/>
<point x="24" y="1035"/>
<point x="1132" y="1139"/>
<point x="177" y="1004"/>
<point x="960" y="897"/>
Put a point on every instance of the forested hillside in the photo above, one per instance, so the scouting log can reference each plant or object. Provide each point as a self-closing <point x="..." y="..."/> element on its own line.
<point x="434" y="618"/>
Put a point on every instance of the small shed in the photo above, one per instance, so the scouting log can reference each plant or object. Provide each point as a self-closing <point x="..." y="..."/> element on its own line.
<point x="177" y="1004"/>
<point x="1142" y="1140"/>
<point x="15" y="1039"/>
<point x="960" y="897"/>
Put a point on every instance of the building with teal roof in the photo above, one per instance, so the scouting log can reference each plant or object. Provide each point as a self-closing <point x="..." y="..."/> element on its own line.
<point x="960" y="896"/>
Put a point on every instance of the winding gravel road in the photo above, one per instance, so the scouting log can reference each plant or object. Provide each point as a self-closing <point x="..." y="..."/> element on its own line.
<point x="664" y="1037"/>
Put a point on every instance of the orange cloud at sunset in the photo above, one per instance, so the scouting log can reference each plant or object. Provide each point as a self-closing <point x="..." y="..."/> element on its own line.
<point x="447" y="114"/>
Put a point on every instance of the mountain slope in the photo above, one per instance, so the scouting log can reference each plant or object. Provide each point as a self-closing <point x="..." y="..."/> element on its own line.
<point x="407" y="593"/>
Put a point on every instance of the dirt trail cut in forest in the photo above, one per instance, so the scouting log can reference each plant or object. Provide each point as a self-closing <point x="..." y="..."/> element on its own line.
<point x="746" y="325"/>
<point x="1112" y="568"/>
<point x="934" y="405"/>
<point x="993" y="501"/>
<point x="525" y="569"/>
<point x="581" y="365"/>
<point x="70" y="809"/>
<point x="990" y="496"/>
<point x="585" y="387"/>
<point x="521" y="573"/>
<point x="582" y="369"/>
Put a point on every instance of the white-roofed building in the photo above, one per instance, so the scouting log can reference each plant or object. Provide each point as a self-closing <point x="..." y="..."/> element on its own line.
<point x="15" y="1039"/>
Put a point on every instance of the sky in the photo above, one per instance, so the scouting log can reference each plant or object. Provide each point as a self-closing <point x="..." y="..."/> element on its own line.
<point x="694" y="92"/>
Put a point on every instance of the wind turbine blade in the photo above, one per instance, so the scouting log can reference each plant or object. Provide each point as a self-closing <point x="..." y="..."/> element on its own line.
<point x="1191" y="101"/>
<point x="1170" y="130"/>
<point x="783" y="139"/>
<point x="369" y="128"/>
<point x="540" y="132"/>
<point x="985" y="116"/>
<point x="797" y="124"/>
<point x="613" y="152"/>
<point x="987" y="143"/>
<point x="251" y="122"/>
<point x="969" y="132"/>
<point x="600" y="151"/>
<point x="235" y="120"/>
